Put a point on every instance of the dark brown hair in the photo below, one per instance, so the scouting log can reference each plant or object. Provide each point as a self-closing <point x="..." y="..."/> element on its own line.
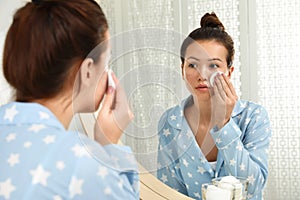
<point x="211" y="28"/>
<point x="47" y="40"/>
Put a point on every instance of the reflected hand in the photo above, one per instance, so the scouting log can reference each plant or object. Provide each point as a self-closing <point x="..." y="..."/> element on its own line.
<point x="223" y="99"/>
<point x="114" y="115"/>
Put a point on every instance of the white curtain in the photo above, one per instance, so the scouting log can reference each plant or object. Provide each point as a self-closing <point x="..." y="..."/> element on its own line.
<point x="278" y="53"/>
<point x="7" y="9"/>
<point x="5" y="91"/>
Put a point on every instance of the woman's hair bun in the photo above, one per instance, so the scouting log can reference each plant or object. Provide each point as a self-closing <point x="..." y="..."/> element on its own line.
<point x="37" y="1"/>
<point x="212" y="21"/>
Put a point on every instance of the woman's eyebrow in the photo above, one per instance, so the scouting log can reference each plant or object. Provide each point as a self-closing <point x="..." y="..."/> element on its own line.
<point x="214" y="59"/>
<point x="194" y="58"/>
<point x="210" y="59"/>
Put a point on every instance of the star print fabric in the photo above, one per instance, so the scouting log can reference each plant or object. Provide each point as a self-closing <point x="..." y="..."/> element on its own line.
<point x="242" y="150"/>
<point x="39" y="159"/>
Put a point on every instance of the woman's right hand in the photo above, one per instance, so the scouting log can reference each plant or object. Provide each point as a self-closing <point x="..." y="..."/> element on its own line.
<point x="114" y="115"/>
<point x="223" y="100"/>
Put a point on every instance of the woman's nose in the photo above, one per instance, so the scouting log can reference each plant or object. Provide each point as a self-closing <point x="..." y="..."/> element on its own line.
<point x="201" y="78"/>
<point x="202" y="73"/>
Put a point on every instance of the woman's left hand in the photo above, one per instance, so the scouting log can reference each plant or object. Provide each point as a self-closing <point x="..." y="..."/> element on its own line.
<point x="114" y="115"/>
<point x="223" y="99"/>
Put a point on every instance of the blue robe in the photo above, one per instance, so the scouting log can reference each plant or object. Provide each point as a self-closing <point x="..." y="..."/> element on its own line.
<point x="39" y="159"/>
<point x="242" y="150"/>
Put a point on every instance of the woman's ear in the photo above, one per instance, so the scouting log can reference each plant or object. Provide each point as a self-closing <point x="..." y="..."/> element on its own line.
<point x="86" y="71"/>
<point x="231" y="69"/>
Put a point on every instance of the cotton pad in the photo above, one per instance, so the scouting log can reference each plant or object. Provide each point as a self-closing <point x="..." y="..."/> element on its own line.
<point x="212" y="77"/>
<point x="229" y="179"/>
<point x="238" y="187"/>
<point x="111" y="82"/>
<point x="216" y="193"/>
<point x="233" y="184"/>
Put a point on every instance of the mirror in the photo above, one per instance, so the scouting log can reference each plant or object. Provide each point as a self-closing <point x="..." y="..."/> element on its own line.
<point x="263" y="47"/>
<point x="146" y="39"/>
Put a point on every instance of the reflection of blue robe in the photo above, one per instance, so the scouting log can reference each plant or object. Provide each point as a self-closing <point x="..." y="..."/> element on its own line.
<point x="39" y="159"/>
<point x="242" y="150"/>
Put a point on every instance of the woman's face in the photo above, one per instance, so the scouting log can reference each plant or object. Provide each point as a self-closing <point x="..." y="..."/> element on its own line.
<point x="93" y="83"/>
<point x="102" y="67"/>
<point x="202" y="59"/>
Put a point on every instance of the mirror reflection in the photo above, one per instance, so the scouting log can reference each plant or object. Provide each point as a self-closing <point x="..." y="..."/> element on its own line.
<point x="256" y="74"/>
<point x="211" y="100"/>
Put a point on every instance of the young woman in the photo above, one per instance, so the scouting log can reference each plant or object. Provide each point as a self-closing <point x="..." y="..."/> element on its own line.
<point x="212" y="133"/>
<point x="55" y="56"/>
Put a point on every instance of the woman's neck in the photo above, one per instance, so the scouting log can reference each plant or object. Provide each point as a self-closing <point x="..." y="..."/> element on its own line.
<point x="198" y="116"/>
<point x="201" y="110"/>
<point x="61" y="107"/>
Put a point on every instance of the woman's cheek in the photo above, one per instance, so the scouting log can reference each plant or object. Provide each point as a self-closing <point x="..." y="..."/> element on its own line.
<point x="100" y="91"/>
<point x="189" y="82"/>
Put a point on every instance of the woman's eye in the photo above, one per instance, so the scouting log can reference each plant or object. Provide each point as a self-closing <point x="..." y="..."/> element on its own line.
<point x="192" y="65"/>
<point x="213" y="66"/>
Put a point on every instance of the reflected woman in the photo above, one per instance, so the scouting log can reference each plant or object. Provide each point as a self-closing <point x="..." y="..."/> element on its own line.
<point x="212" y="133"/>
<point x="55" y="56"/>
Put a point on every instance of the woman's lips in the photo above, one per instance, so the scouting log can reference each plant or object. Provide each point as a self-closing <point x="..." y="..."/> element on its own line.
<point x="202" y="87"/>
